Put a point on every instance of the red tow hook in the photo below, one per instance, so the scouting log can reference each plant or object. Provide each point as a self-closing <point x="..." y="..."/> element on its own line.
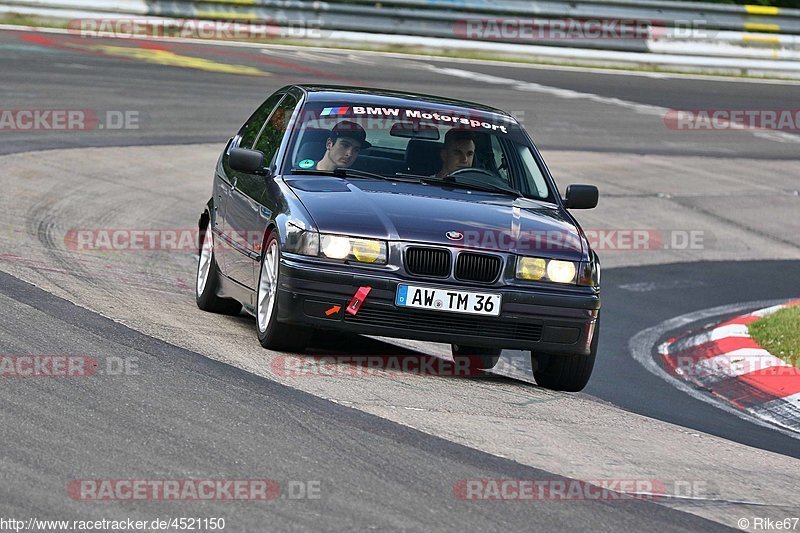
<point x="358" y="299"/>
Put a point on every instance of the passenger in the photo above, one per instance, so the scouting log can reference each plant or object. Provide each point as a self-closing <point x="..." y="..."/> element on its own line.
<point x="346" y="140"/>
<point x="457" y="153"/>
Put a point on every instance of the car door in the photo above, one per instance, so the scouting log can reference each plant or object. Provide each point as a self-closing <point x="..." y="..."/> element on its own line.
<point x="222" y="191"/>
<point x="225" y="189"/>
<point x="250" y="207"/>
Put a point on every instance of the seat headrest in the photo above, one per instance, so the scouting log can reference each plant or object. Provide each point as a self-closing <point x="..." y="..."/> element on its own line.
<point x="312" y="146"/>
<point x="422" y="157"/>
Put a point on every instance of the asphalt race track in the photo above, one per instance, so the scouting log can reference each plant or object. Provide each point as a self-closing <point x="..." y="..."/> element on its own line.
<point x="194" y="414"/>
<point x="205" y="401"/>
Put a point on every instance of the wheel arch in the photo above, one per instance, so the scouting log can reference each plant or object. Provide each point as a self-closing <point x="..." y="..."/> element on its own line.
<point x="271" y="226"/>
<point x="203" y="222"/>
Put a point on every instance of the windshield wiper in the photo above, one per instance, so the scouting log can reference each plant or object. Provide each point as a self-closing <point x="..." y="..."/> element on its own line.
<point x="477" y="186"/>
<point x="481" y="186"/>
<point x="417" y="177"/>
<point x="342" y="172"/>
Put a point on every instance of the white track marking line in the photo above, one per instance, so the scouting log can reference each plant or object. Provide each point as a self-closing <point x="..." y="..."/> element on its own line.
<point x="569" y="94"/>
<point x="312" y="56"/>
<point x="767" y="311"/>
<point x="731" y="330"/>
<point x="641" y="346"/>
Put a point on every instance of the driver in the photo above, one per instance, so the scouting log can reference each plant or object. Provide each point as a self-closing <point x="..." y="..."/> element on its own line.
<point x="457" y="152"/>
<point x="343" y="145"/>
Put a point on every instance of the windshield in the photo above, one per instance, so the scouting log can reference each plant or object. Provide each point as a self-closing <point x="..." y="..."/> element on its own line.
<point x="461" y="147"/>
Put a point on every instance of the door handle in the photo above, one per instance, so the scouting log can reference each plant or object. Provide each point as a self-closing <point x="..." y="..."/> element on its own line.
<point x="233" y="183"/>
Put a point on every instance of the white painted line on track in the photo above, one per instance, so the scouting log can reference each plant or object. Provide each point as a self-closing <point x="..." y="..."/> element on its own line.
<point x="641" y="348"/>
<point x="569" y="94"/>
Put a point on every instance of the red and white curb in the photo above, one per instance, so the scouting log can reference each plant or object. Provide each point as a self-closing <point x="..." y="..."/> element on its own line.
<point x="727" y="363"/>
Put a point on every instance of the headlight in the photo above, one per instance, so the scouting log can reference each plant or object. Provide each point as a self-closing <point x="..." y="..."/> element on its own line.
<point x="539" y="269"/>
<point x="353" y="249"/>
<point x="561" y="271"/>
<point x="335" y="247"/>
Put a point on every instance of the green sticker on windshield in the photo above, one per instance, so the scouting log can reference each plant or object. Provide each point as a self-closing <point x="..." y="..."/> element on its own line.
<point x="306" y="163"/>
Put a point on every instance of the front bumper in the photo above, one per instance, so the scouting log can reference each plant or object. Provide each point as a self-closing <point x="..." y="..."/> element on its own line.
<point x="543" y="321"/>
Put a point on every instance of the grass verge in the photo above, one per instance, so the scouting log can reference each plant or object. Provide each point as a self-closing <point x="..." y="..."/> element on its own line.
<point x="779" y="333"/>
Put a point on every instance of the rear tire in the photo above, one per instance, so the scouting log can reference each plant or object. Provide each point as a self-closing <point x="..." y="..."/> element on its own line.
<point x="207" y="280"/>
<point x="272" y="334"/>
<point x="568" y="373"/>
<point x="469" y="355"/>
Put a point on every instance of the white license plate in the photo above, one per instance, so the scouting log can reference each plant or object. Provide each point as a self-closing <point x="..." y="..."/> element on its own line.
<point x="436" y="299"/>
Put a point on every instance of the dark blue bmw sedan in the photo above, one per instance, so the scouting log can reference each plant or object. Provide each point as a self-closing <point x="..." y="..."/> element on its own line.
<point x="401" y="215"/>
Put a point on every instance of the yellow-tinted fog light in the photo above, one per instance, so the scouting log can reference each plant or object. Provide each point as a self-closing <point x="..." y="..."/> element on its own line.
<point x="531" y="268"/>
<point x="366" y="251"/>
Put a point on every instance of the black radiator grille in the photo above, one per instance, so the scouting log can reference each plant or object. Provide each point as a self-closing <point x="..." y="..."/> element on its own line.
<point x="477" y="267"/>
<point x="428" y="262"/>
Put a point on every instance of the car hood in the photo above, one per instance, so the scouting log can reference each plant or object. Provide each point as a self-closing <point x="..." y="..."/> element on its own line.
<point x="428" y="213"/>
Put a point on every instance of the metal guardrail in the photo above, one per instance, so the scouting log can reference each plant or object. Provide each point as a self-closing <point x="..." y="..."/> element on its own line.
<point x="710" y="16"/>
<point x="682" y="28"/>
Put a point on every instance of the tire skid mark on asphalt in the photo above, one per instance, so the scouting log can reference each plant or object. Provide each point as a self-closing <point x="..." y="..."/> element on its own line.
<point x="41" y="224"/>
<point x="45" y="221"/>
<point x="566" y="432"/>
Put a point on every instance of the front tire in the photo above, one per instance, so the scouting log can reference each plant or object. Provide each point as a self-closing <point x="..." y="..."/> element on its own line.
<point x="207" y="280"/>
<point x="568" y="373"/>
<point x="272" y="334"/>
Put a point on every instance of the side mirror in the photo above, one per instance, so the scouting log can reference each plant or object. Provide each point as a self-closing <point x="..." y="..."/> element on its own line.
<point x="581" y="197"/>
<point x="244" y="160"/>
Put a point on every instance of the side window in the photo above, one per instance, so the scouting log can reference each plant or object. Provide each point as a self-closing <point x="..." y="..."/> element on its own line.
<point x="536" y="182"/>
<point x="250" y="130"/>
<point x="271" y="135"/>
